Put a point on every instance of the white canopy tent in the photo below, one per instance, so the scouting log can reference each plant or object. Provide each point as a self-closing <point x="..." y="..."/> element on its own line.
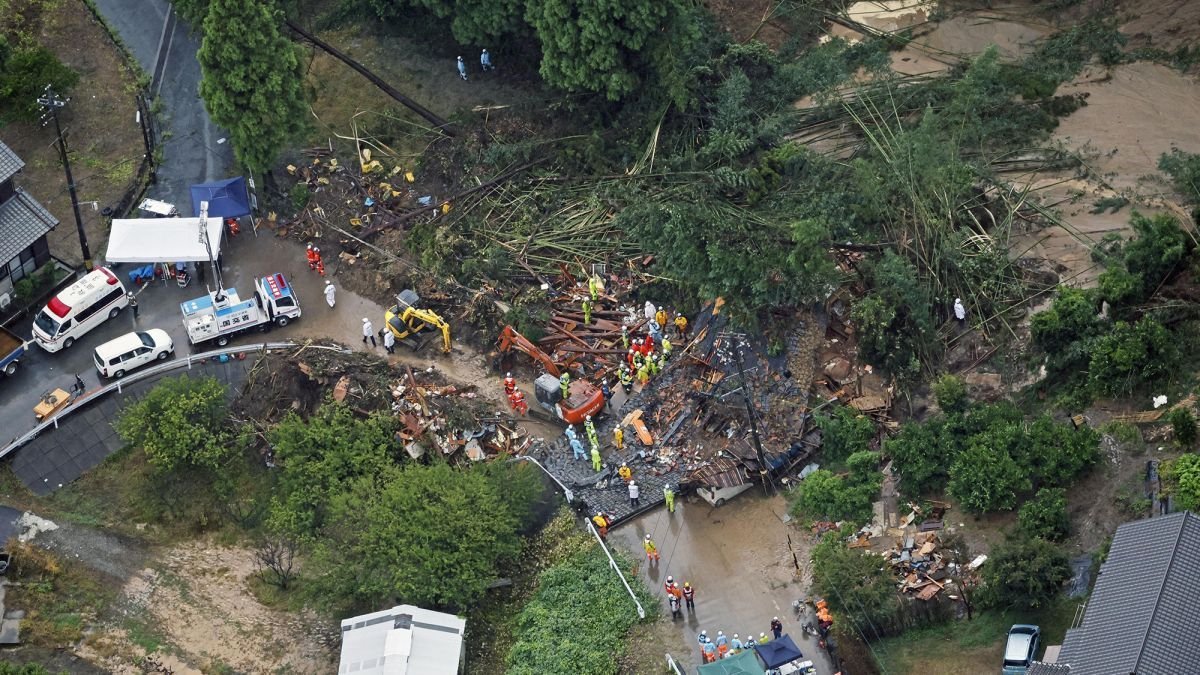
<point x="160" y="240"/>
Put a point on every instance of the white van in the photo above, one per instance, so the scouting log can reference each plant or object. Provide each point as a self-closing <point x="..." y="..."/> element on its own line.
<point x="82" y="306"/>
<point x="132" y="350"/>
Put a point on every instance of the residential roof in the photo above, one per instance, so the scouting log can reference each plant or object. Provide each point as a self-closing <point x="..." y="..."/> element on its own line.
<point x="403" y="640"/>
<point x="1039" y="668"/>
<point x="1143" y="613"/>
<point x="10" y="164"/>
<point x="22" y="221"/>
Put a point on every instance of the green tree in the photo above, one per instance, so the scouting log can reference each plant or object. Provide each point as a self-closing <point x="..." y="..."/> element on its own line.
<point x="844" y="433"/>
<point x="24" y="74"/>
<point x="472" y="22"/>
<point x="918" y="457"/>
<point x="1183" y="426"/>
<point x="1062" y="331"/>
<point x="825" y="495"/>
<point x="854" y="583"/>
<point x="895" y="319"/>
<point x="1045" y="515"/>
<point x="1024" y="573"/>
<point x="604" y="47"/>
<point x="951" y="394"/>
<point x="1057" y="453"/>
<point x="1130" y="356"/>
<point x="429" y="535"/>
<point x="1182" y="476"/>
<point x="252" y="79"/>
<point x="181" y="424"/>
<point x="984" y="476"/>
<point x="320" y="457"/>
<point x="1184" y="170"/>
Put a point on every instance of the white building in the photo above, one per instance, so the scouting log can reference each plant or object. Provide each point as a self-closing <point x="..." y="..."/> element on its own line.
<point x="404" y="640"/>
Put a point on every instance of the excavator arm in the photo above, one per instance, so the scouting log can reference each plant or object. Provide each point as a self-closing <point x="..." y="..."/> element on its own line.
<point x="431" y="319"/>
<point x="409" y="321"/>
<point x="510" y="339"/>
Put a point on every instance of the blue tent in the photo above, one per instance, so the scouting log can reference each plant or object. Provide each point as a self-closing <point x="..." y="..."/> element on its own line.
<point x="778" y="652"/>
<point x="226" y="198"/>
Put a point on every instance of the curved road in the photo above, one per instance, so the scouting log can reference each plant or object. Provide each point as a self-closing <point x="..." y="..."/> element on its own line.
<point x="192" y="152"/>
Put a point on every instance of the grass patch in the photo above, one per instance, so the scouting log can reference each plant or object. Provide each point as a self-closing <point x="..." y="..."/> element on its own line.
<point x="270" y="595"/>
<point x="60" y="597"/>
<point x="143" y="635"/>
<point x="969" y="647"/>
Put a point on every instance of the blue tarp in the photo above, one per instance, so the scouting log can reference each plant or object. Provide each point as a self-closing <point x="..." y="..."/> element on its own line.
<point x="778" y="652"/>
<point x="226" y="198"/>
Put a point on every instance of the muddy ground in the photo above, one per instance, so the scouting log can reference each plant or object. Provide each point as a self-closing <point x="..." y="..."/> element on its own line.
<point x="105" y="141"/>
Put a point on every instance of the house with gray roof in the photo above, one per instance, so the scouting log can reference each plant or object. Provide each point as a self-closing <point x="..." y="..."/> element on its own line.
<point x="1144" y="614"/>
<point x="24" y="224"/>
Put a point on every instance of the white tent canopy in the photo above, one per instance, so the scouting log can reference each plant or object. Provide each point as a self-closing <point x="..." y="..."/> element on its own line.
<point x="155" y="240"/>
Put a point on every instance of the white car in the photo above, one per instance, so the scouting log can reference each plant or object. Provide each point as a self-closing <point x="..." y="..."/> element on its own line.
<point x="133" y="350"/>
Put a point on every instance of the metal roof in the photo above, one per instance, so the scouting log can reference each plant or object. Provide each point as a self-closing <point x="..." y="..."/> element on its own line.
<point x="1144" y="610"/>
<point x="403" y="640"/>
<point x="10" y="164"/>
<point x="22" y="221"/>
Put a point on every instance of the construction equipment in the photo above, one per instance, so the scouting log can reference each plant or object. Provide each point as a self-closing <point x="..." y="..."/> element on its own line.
<point x="406" y="320"/>
<point x="585" y="399"/>
<point x="510" y="339"/>
<point x="220" y="315"/>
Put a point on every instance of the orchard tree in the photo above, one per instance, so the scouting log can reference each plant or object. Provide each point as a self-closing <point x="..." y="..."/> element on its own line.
<point x="253" y="79"/>
<point x="1024" y="573"/>
<point x="181" y="424"/>
<point x="985" y="477"/>
<point x="1045" y="515"/>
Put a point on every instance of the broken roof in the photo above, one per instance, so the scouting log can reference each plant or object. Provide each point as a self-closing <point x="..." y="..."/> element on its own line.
<point x="1143" y="612"/>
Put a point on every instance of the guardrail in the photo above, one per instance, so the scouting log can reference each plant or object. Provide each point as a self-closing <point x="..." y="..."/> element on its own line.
<point x="118" y="386"/>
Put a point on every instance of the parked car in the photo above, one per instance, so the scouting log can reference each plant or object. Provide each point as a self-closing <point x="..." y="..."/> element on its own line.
<point x="118" y="356"/>
<point x="1021" y="648"/>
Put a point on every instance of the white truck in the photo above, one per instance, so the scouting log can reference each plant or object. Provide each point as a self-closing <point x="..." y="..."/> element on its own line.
<point x="220" y="315"/>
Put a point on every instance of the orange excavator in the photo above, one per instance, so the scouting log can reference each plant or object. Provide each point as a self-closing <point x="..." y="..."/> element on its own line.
<point x="584" y="398"/>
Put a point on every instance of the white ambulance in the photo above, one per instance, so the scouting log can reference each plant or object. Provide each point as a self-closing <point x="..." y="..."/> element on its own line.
<point x="82" y="306"/>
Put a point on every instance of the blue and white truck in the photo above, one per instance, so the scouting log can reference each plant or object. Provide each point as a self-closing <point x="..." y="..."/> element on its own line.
<point x="12" y="348"/>
<point x="221" y="315"/>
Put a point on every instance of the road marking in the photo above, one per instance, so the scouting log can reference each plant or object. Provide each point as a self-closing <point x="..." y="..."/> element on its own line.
<point x="164" y="49"/>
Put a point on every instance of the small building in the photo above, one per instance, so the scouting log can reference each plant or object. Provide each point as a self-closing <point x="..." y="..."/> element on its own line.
<point x="403" y="640"/>
<point x="24" y="224"/>
<point x="1143" y="615"/>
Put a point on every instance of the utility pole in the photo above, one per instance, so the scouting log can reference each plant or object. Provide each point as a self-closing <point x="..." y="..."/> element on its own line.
<point x="143" y="120"/>
<point x="51" y="103"/>
<point x="737" y="344"/>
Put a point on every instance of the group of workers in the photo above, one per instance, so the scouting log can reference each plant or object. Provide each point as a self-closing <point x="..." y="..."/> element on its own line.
<point x="516" y="398"/>
<point x="677" y="595"/>
<point x="723" y="646"/>
<point x="313" y="254"/>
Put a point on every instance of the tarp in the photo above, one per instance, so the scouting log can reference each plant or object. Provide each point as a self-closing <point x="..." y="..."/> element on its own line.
<point x="153" y="240"/>
<point x="778" y="652"/>
<point x="226" y="198"/>
<point x="744" y="663"/>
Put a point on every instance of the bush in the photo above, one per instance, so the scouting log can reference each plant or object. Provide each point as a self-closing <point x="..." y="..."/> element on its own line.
<point x="854" y="583"/>
<point x="825" y="495"/>
<point x="1182" y="477"/>
<point x="1149" y="260"/>
<point x="1024" y="573"/>
<point x="985" y="476"/>
<point x="1045" y="516"/>
<point x="1184" y="170"/>
<point x="844" y="433"/>
<point x="181" y="424"/>
<point x="896" y="329"/>
<point x="24" y="75"/>
<point x="951" y="394"/>
<point x="1183" y="426"/>
<point x="1131" y="356"/>
<point x="578" y="619"/>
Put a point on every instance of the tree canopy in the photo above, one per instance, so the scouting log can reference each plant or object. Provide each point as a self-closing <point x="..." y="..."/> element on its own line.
<point x="1024" y="573"/>
<point x="181" y="424"/>
<point x="252" y="79"/>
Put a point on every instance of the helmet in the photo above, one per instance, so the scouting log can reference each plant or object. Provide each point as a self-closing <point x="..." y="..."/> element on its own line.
<point x="720" y="633"/>
<point x="704" y="632"/>
<point x="762" y="636"/>
<point x="587" y="418"/>
<point x="735" y="636"/>
<point x="647" y="537"/>
<point x="509" y="374"/>
<point x="328" y="282"/>
<point x="670" y="578"/>
<point x="460" y="58"/>
<point x="366" y="320"/>
<point x="687" y="584"/>
<point x="310" y="244"/>
<point x="775" y="619"/>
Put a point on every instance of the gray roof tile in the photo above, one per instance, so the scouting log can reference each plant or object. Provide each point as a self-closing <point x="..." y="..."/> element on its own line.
<point x="1145" y="609"/>
<point x="10" y="164"/>
<point x="1039" y="668"/>
<point x="22" y="221"/>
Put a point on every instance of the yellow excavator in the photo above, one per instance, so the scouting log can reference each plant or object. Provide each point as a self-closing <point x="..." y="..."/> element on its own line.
<point x="406" y="320"/>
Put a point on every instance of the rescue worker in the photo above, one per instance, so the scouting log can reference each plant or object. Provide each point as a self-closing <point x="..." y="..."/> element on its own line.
<point x="564" y="383"/>
<point x="660" y="361"/>
<point x="629" y="358"/>
<point x="368" y="332"/>
<point x="643" y="373"/>
<point x="310" y="256"/>
<point x="666" y="347"/>
<point x="750" y="641"/>
<point x="689" y="596"/>
<point x="590" y="428"/>
<point x="647" y="345"/>
<point x="601" y="523"/>
<point x="517" y="401"/>
<point x="606" y="393"/>
<point x="639" y="359"/>
<point x="960" y="312"/>
<point x="673" y="602"/>
<point x="669" y="495"/>
<point x="625" y="472"/>
<point x="667" y="584"/>
<point x="661" y="316"/>
<point x="776" y="627"/>
<point x="648" y="310"/>
<point x="389" y="341"/>
<point x="596" y="458"/>
<point x="722" y="643"/>
<point x="651" y="549"/>
<point x="626" y="378"/>
<point x="702" y="638"/>
<point x="763" y="639"/>
<point x="710" y="652"/>
<point x="652" y="363"/>
<point x="681" y="326"/>
<point x="624" y="336"/>
<point x="655" y="330"/>
<point x="462" y="69"/>
<point x="577" y="448"/>
<point x="735" y="645"/>
<point x="587" y="311"/>
<point x="320" y="262"/>
<point x="510" y="384"/>
<point x="330" y="294"/>
<point x="634" y="492"/>
<point x="619" y="437"/>
<point x="594" y="287"/>
<point x="485" y="61"/>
